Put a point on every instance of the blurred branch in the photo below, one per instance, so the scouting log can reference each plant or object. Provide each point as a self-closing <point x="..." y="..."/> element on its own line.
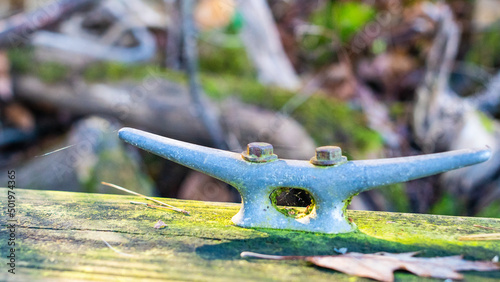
<point x="263" y="44"/>
<point x="163" y="111"/>
<point x="191" y="62"/>
<point x="436" y="103"/>
<point x="173" y="35"/>
<point x="489" y="100"/>
<point x="444" y="121"/>
<point x="77" y="39"/>
<point x="16" y="29"/>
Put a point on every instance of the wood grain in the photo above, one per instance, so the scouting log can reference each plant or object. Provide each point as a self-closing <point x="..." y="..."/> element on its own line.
<point x="60" y="237"/>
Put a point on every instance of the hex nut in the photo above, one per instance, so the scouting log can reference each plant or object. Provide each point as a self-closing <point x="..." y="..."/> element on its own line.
<point x="328" y="156"/>
<point x="259" y="152"/>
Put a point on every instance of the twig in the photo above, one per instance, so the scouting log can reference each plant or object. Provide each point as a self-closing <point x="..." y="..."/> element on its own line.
<point x="55" y="151"/>
<point x="486" y="227"/>
<point x="191" y="60"/>
<point x="145" y="197"/>
<point x="480" y="237"/>
<point x="273" y="257"/>
<point x="115" y="250"/>
<point x="152" y="206"/>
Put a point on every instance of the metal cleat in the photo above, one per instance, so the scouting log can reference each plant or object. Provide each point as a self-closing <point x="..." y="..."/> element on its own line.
<point x="329" y="178"/>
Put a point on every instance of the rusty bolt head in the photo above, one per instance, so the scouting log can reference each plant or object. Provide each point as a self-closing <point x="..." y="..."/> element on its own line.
<point x="259" y="152"/>
<point x="328" y="155"/>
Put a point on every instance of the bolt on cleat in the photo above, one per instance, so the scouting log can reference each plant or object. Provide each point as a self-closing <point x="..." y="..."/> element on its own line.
<point x="259" y="152"/>
<point x="328" y="155"/>
<point x="329" y="178"/>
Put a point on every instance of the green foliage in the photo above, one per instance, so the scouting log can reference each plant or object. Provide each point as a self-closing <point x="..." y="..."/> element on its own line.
<point x="23" y="61"/>
<point x="396" y="196"/>
<point x="237" y="23"/>
<point x="20" y="59"/>
<point x="486" y="54"/>
<point x="452" y="205"/>
<point x="216" y="59"/>
<point x="350" y="17"/>
<point x="487" y="122"/>
<point x="448" y="205"/>
<point x="492" y="210"/>
<point x="345" y="17"/>
<point x="339" y="21"/>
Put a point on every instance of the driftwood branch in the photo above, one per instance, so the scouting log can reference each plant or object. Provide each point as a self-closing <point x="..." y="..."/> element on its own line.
<point x="444" y="121"/>
<point x="263" y="45"/>
<point x="16" y="30"/>
<point x="165" y="108"/>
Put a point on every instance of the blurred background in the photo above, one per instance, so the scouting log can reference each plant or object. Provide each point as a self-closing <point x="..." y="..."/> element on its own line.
<point x="379" y="78"/>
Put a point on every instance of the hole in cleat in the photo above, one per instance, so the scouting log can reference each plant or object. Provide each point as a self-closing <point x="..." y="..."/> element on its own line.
<point x="292" y="202"/>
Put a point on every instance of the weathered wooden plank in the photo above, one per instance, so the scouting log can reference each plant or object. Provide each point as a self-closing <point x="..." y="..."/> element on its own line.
<point x="60" y="237"/>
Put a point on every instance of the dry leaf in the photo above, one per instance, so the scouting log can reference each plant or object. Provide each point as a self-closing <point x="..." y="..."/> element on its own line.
<point x="160" y="224"/>
<point x="381" y="266"/>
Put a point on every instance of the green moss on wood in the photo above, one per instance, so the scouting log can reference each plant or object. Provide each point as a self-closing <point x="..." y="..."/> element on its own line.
<point x="20" y="59"/>
<point x="23" y="62"/>
<point x="61" y="237"/>
<point x="347" y="202"/>
<point x="223" y="60"/>
<point x="329" y="121"/>
<point x="51" y="72"/>
<point x="113" y="72"/>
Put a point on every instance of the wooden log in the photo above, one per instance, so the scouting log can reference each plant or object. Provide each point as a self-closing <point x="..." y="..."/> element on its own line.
<point x="164" y="108"/>
<point x="60" y="236"/>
